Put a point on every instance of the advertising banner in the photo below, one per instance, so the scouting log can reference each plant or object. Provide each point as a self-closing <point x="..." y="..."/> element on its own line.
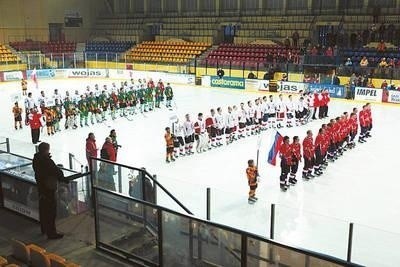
<point x="47" y="73"/>
<point x="368" y="94"/>
<point x="394" y="97"/>
<point x="336" y="91"/>
<point x="228" y="82"/>
<point x="252" y="84"/>
<point x="12" y="76"/>
<point x="291" y="87"/>
<point x="87" y="73"/>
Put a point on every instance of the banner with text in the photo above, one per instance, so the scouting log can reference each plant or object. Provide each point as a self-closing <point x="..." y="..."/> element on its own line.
<point x="87" y="73"/>
<point x="336" y="91"/>
<point x="42" y="73"/>
<point x="368" y="94"/>
<point x="228" y="82"/>
<point x="394" y="97"/>
<point x="12" y="76"/>
<point x="291" y="87"/>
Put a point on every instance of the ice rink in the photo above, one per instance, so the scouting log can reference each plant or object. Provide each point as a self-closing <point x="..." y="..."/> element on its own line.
<point x="361" y="187"/>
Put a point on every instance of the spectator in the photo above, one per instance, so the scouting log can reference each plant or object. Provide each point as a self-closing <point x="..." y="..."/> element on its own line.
<point x="381" y="31"/>
<point x="383" y="63"/>
<point x="364" y="62"/>
<point x="391" y="63"/>
<point x="353" y="79"/>
<point x="384" y="84"/>
<point x="381" y="46"/>
<point x="286" y="42"/>
<point x="47" y="175"/>
<point x="35" y="122"/>
<point x="329" y="52"/>
<point x="113" y="136"/>
<point x="108" y="150"/>
<point x="348" y="62"/>
<point x="91" y="148"/>
<point x="284" y="77"/>
<point x="370" y="84"/>
<point x="17" y="111"/>
<point x="295" y="37"/>
<point x="314" y="51"/>
<point x="251" y="75"/>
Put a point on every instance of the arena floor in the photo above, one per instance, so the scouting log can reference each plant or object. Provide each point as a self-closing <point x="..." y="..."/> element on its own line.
<point x="361" y="187"/>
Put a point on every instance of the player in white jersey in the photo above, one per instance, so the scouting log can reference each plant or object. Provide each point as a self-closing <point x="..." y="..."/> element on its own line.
<point x="29" y="103"/>
<point x="301" y="111"/>
<point x="57" y="96"/>
<point x="229" y="126"/>
<point x="290" y="110"/>
<point x="179" y="133"/>
<point x="235" y="114"/>
<point x="280" y="111"/>
<point x="188" y="127"/>
<point x="41" y="101"/>
<point x="271" y="109"/>
<point x="242" y="120"/>
<point x="220" y="121"/>
<point x="76" y="97"/>
<point x="250" y="119"/>
<point x="200" y="134"/>
<point x="258" y="116"/>
<point x="264" y="110"/>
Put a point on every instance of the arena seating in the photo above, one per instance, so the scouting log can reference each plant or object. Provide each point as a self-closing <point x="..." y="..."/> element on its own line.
<point x="251" y="54"/>
<point x="373" y="56"/>
<point x="104" y="46"/>
<point x="45" y="47"/>
<point x="167" y="52"/>
<point x="119" y="29"/>
<point x="36" y="256"/>
<point x="6" y="55"/>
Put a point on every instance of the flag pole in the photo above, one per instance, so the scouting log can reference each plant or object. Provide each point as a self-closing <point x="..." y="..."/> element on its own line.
<point x="258" y="149"/>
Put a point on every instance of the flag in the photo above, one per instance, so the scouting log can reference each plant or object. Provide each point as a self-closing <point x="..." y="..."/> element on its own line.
<point x="274" y="150"/>
<point x="34" y="78"/>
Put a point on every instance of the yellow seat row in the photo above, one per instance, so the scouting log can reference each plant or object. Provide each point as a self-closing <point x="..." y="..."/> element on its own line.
<point x="6" y="55"/>
<point x="36" y="256"/>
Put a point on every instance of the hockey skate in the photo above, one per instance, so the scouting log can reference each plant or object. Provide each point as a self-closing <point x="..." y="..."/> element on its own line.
<point x="283" y="187"/>
<point x="251" y="200"/>
<point x="292" y="181"/>
<point x="305" y="176"/>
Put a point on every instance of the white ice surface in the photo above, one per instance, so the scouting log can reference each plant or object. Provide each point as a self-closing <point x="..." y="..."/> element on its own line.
<point x="361" y="187"/>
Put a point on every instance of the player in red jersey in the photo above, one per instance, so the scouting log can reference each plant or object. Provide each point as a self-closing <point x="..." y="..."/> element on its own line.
<point x="296" y="158"/>
<point x="319" y="142"/>
<point x="325" y="146"/>
<point x="308" y="154"/>
<point x="369" y="120"/>
<point x="211" y="128"/>
<point x="286" y="161"/>
<point x="362" y="116"/>
<point x="353" y="128"/>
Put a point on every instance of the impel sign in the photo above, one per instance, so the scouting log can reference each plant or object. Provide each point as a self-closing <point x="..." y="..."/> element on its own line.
<point x="87" y="73"/>
<point x="368" y="94"/>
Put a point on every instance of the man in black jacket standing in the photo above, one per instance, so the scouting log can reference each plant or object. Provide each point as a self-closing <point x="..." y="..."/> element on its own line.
<point x="47" y="175"/>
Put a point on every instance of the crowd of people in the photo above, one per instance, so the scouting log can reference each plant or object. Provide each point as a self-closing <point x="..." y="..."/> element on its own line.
<point x="91" y="106"/>
<point x="330" y="143"/>
<point x="224" y="126"/>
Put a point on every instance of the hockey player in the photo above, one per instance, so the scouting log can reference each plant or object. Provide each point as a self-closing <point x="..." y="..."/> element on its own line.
<point x="229" y="126"/>
<point x="141" y="98"/>
<point x="179" y="145"/>
<point x="58" y="115"/>
<point x="319" y="142"/>
<point x="280" y="111"/>
<point x="264" y="110"/>
<point x="271" y="112"/>
<point x="308" y="154"/>
<point x="250" y="119"/>
<point x="235" y="115"/>
<point x="242" y="121"/>
<point x="353" y="127"/>
<point x="131" y="101"/>
<point x="296" y="158"/>
<point x="122" y="102"/>
<point x="301" y="112"/>
<point x="103" y="105"/>
<point x="368" y="120"/>
<point x="161" y="88"/>
<point x="169" y="140"/>
<point x="92" y="107"/>
<point x="211" y="127"/>
<point x="286" y="161"/>
<point x="189" y="135"/>
<point x="200" y="134"/>
<point x="252" y="175"/>
<point x="169" y="94"/>
<point x="258" y="116"/>
<point x="57" y="97"/>
<point x="150" y="95"/>
<point x="290" y="110"/>
<point x="157" y="96"/>
<point x="24" y="86"/>
<point x="49" y="116"/>
<point x="83" y="111"/>
<point x="220" y="123"/>
<point x="113" y="102"/>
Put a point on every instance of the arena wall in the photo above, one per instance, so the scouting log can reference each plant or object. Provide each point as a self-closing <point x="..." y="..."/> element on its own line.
<point x="26" y="19"/>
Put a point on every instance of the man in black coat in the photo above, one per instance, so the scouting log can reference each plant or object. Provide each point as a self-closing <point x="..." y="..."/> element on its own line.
<point x="47" y="175"/>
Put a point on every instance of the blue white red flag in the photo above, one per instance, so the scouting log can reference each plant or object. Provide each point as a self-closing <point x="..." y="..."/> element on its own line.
<point x="274" y="150"/>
